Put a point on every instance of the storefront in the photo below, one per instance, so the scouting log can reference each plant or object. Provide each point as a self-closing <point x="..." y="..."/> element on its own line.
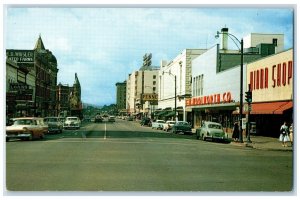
<point x="215" y="95"/>
<point x="271" y="81"/>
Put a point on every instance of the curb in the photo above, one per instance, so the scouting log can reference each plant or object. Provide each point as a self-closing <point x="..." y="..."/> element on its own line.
<point x="253" y="145"/>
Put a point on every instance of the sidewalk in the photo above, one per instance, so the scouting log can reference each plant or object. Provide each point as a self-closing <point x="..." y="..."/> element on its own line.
<point x="264" y="143"/>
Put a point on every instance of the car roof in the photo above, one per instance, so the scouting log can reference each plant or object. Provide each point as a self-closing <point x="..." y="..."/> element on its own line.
<point x="209" y="122"/>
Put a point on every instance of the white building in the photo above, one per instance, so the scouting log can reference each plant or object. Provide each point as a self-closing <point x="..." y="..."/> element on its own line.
<point x="180" y="67"/>
<point x="139" y="85"/>
<point x="254" y="39"/>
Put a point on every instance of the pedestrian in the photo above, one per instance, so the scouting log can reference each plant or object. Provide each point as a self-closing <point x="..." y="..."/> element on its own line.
<point x="235" y="133"/>
<point x="284" y="135"/>
<point x="291" y="134"/>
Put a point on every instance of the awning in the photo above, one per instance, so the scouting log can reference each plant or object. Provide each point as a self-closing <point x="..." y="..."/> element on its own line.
<point x="170" y="114"/>
<point x="269" y="108"/>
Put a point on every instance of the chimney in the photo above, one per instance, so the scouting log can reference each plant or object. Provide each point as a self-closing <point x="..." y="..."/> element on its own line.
<point x="224" y="38"/>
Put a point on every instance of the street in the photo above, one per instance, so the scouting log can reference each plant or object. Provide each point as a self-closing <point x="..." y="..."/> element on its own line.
<point x="124" y="156"/>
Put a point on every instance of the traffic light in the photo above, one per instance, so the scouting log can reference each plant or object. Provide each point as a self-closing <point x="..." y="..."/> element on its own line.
<point x="248" y="96"/>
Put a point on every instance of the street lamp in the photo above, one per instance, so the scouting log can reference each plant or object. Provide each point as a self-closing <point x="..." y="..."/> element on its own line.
<point x="232" y="37"/>
<point x="175" y="109"/>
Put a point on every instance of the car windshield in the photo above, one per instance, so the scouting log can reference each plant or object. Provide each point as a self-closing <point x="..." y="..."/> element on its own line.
<point x="183" y="123"/>
<point x="72" y="118"/>
<point x="24" y="122"/>
<point x="214" y="126"/>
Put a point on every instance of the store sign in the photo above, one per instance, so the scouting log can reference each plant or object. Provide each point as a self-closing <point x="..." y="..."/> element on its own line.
<point x="20" y="56"/>
<point x="279" y="75"/>
<point x="150" y="97"/>
<point x="18" y="86"/>
<point x="210" y="99"/>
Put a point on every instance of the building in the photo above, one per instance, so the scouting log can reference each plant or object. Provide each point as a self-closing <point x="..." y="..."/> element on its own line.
<point x="271" y="81"/>
<point x="175" y="77"/>
<point x="121" y="97"/>
<point x="215" y="92"/>
<point x="40" y="72"/>
<point x="215" y="95"/>
<point x="75" y="99"/>
<point x="141" y="99"/>
<point x="19" y="90"/>
<point x="45" y="66"/>
<point x="62" y="100"/>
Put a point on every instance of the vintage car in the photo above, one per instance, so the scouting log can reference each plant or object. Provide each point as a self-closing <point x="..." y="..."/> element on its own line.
<point x="146" y="121"/>
<point x="72" y="122"/>
<point x="158" y="124"/>
<point x="26" y="128"/>
<point x="212" y="131"/>
<point x="182" y="127"/>
<point x="55" y="124"/>
<point x="168" y="125"/>
<point x="111" y="119"/>
<point x="98" y="118"/>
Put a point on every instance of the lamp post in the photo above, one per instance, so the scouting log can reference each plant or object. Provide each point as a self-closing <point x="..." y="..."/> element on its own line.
<point x="175" y="109"/>
<point x="241" y="78"/>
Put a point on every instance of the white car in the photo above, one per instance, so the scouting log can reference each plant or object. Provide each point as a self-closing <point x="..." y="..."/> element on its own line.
<point x="26" y="128"/>
<point x="72" y="122"/>
<point x="158" y="124"/>
<point x="168" y="125"/>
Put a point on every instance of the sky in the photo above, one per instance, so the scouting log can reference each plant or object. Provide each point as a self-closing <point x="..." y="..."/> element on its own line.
<point x="104" y="44"/>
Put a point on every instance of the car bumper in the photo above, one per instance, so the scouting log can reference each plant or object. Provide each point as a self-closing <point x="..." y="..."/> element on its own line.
<point x="20" y="135"/>
<point x="71" y="126"/>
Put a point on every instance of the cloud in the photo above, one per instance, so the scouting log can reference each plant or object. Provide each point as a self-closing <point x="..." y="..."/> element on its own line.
<point x="104" y="45"/>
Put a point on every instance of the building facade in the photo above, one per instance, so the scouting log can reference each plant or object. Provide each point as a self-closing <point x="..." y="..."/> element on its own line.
<point x="19" y="90"/>
<point x="62" y="100"/>
<point x="175" y="77"/>
<point x="141" y="84"/>
<point x="40" y="78"/>
<point x="121" y="97"/>
<point x="271" y="80"/>
<point x="216" y="94"/>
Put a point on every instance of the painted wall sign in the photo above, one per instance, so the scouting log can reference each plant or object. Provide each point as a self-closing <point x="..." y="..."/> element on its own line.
<point x="20" y="56"/>
<point x="210" y="99"/>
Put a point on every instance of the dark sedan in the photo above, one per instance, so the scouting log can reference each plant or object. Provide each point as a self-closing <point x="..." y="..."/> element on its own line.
<point x="182" y="127"/>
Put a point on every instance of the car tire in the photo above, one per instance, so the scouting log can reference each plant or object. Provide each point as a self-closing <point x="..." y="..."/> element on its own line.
<point x="30" y="137"/>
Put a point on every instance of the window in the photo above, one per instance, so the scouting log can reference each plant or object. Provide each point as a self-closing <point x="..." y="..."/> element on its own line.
<point x="154" y="76"/>
<point x="275" y="42"/>
<point x="154" y="89"/>
<point x="154" y="82"/>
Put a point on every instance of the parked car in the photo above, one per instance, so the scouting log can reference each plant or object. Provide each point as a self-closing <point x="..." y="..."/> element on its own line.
<point x="158" y="124"/>
<point x="55" y="124"/>
<point x="72" y="122"/>
<point x="146" y="121"/>
<point x="98" y="118"/>
<point x="168" y="125"/>
<point x="212" y="131"/>
<point x="111" y="119"/>
<point x="129" y="118"/>
<point x="26" y="128"/>
<point x="182" y="127"/>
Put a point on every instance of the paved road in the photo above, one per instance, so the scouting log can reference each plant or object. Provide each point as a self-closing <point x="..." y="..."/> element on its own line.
<point x="123" y="156"/>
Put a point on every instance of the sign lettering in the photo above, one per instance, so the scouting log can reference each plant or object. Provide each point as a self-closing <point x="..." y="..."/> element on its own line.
<point x="210" y="99"/>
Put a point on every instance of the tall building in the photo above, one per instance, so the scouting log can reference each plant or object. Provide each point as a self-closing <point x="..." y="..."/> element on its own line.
<point x="38" y="82"/>
<point x="75" y="99"/>
<point x="121" y="97"/>
<point x="140" y="86"/>
<point x="45" y="66"/>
